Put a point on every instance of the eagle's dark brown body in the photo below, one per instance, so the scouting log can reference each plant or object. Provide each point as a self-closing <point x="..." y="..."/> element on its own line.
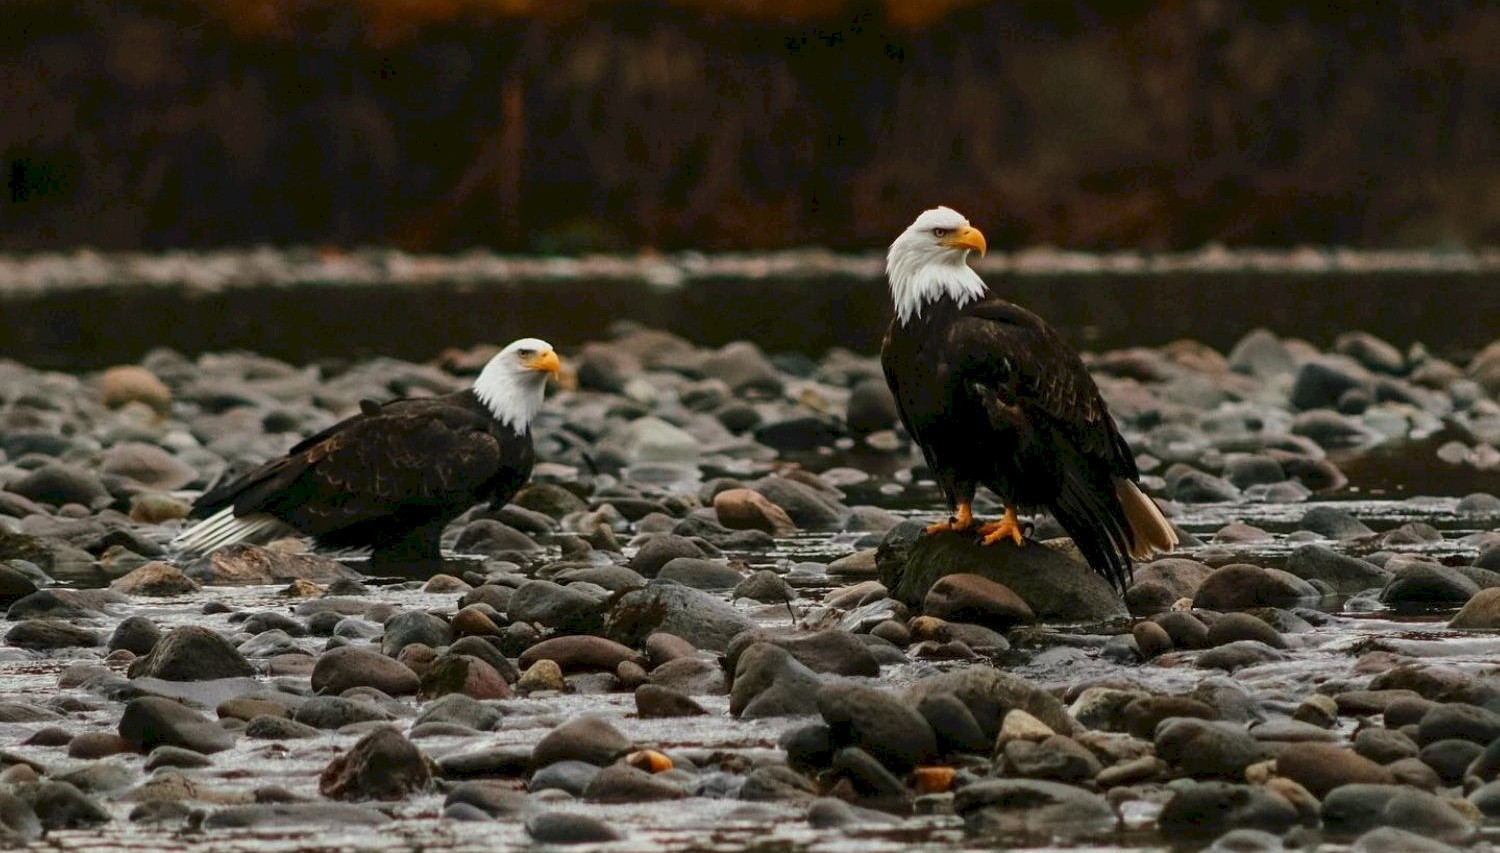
<point x="389" y="479"/>
<point x="995" y="397"/>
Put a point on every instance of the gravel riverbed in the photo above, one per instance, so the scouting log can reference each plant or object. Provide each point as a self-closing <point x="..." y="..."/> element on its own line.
<point x="711" y="622"/>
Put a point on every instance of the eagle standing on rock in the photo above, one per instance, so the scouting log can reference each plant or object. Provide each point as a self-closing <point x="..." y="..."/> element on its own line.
<point x="995" y="397"/>
<point x="391" y="477"/>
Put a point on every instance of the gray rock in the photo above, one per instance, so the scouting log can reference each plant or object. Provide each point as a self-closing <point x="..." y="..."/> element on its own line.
<point x="1320" y="382"/>
<point x="871" y="408"/>
<point x="491" y="537"/>
<point x="1058" y="758"/>
<point x="1051" y="577"/>
<point x="414" y="626"/>
<point x="152" y="721"/>
<point x="569" y="775"/>
<point x="1238" y="655"/>
<point x="382" y="765"/>
<point x="1206" y="749"/>
<point x="1333" y="523"/>
<point x="1209" y="809"/>
<point x="268" y="727"/>
<point x="458" y="709"/>
<point x="1390" y="839"/>
<point x="701" y="619"/>
<point x="878" y="722"/>
<point x="60" y="805"/>
<point x="192" y="653"/>
<point x="294" y="816"/>
<point x="569" y="828"/>
<point x="335" y="712"/>
<point x="1201" y="487"/>
<point x="990" y="694"/>
<point x="621" y="783"/>
<point x="808" y="507"/>
<point x="833" y="651"/>
<point x="700" y="573"/>
<point x="1450" y="759"/>
<point x="42" y="634"/>
<point x="1241" y="586"/>
<point x="692" y="676"/>
<point x="653" y="701"/>
<point x="1345" y="574"/>
<point x="566" y="608"/>
<point x="1006" y="808"/>
<point x="14" y="584"/>
<point x="766" y="587"/>
<point x="59" y="483"/>
<point x="1422" y="582"/>
<point x="769" y="682"/>
<point x="1233" y="627"/>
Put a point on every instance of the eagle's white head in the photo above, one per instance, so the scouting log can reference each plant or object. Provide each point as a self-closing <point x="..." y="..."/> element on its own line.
<point x="514" y="382"/>
<point x="929" y="261"/>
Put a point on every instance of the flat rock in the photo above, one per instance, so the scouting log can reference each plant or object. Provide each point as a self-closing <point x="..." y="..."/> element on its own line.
<point x="1006" y="808"/>
<point x="1322" y="767"/>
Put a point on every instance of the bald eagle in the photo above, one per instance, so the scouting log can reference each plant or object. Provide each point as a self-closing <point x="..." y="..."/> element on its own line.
<point x="995" y="397"/>
<point x="391" y="477"/>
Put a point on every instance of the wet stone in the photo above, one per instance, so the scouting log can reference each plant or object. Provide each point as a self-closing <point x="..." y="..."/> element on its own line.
<point x="587" y="738"/>
<point x="335" y="712"/>
<point x="267" y="727"/>
<point x="878" y="722"/>
<point x="621" y="783"/>
<point x="769" y="682"/>
<point x="654" y="701"/>
<point x="414" y="626"/>
<point x="1235" y="627"/>
<point x="1210" y="809"/>
<point x="60" y="805"/>
<point x="470" y="676"/>
<point x="568" y="775"/>
<point x="579" y="653"/>
<point x="705" y="621"/>
<point x="152" y="721"/>
<point x="1322" y="767"/>
<point x="1207" y="750"/>
<point x="1459" y="720"/>
<point x="382" y="765"/>
<point x="1007" y="807"/>
<point x="44" y="634"/>
<point x="569" y="828"/>
<point x="339" y="669"/>
<point x="192" y="653"/>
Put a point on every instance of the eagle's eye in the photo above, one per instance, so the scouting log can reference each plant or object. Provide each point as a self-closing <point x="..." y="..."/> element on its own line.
<point x="525" y="353"/>
<point x="940" y="232"/>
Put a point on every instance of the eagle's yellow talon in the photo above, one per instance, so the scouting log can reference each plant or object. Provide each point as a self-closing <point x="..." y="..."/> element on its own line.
<point x="1006" y="528"/>
<point x="961" y="521"/>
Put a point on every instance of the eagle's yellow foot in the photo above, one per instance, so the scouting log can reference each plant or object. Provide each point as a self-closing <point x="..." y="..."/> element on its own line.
<point x="1007" y="527"/>
<point x="961" y="521"/>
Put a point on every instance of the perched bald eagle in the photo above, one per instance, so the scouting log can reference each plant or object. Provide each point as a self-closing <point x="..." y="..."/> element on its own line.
<point x="391" y="477"/>
<point x="995" y="397"/>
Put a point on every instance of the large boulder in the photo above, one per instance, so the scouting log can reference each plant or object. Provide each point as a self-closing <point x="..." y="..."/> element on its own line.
<point x="1051" y="577"/>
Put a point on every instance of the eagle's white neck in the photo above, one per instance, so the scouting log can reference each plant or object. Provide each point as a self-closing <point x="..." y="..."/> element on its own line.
<point x="919" y="277"/>
<point x="513" y="395"/>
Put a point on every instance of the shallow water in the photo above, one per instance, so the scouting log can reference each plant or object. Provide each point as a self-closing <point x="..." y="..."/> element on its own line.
<point x="1059" y="657"/>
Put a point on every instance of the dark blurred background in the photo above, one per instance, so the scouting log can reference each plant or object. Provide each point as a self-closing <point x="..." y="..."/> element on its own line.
<point x="717" y="124"/>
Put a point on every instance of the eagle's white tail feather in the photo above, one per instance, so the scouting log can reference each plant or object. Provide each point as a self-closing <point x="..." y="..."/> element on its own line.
<point x="1149" y="529"/>
<point x="223" y="528"/>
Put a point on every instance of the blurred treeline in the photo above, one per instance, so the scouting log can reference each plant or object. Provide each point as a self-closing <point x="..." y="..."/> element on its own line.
<point x="717" y="124"/>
